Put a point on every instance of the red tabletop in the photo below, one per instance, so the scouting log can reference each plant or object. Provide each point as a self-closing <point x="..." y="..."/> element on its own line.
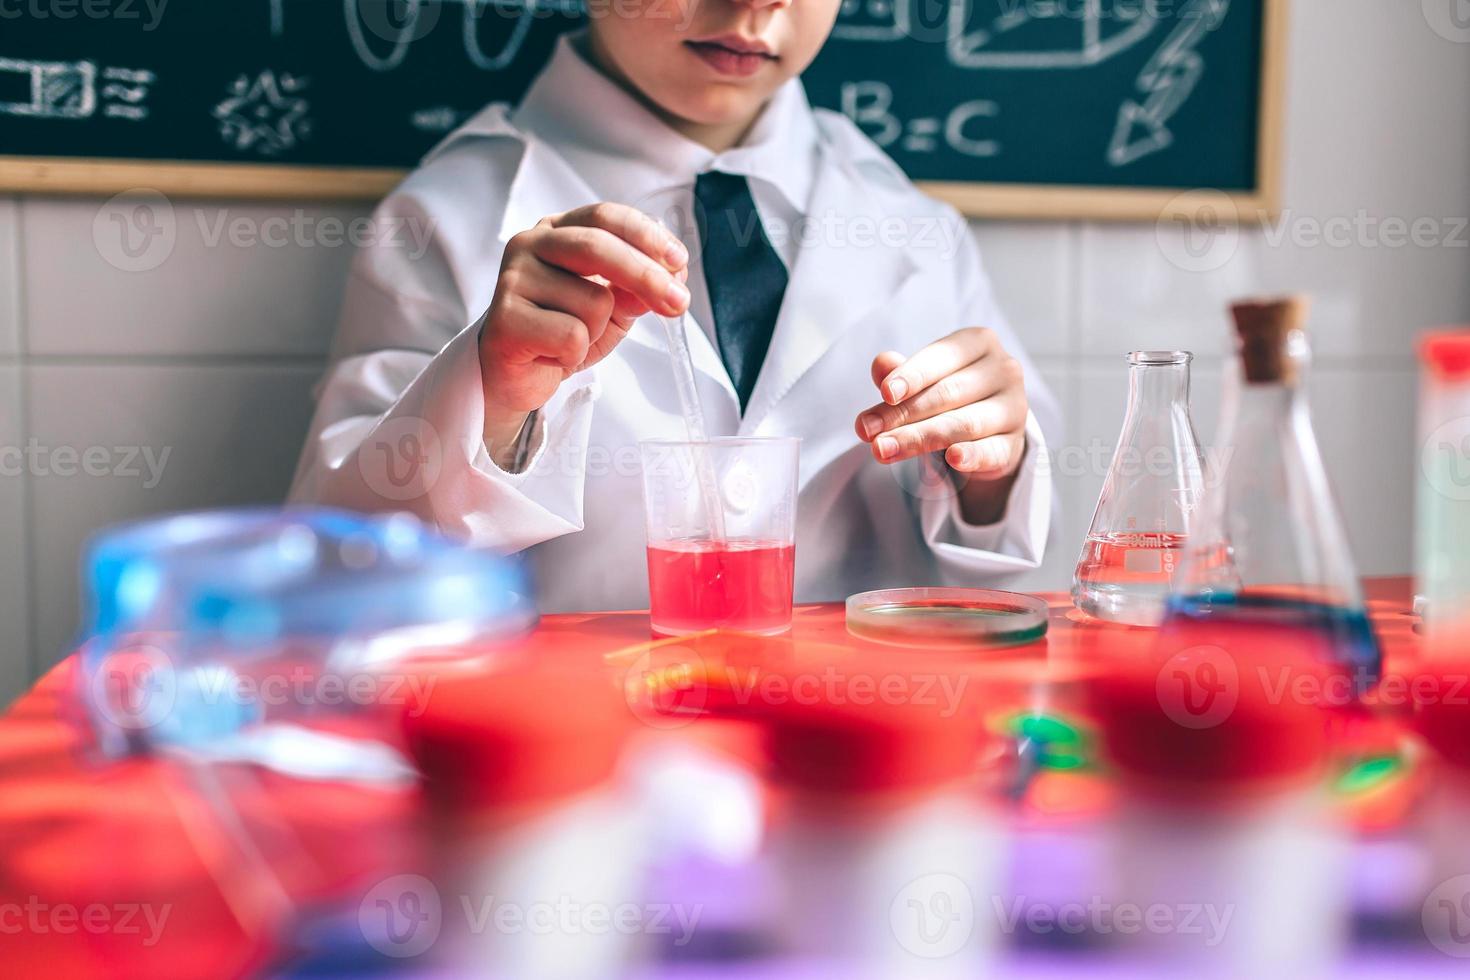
<point x="121" y="870"/>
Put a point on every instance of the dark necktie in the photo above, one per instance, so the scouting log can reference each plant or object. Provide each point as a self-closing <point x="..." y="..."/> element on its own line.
<point x="745" y="277"/>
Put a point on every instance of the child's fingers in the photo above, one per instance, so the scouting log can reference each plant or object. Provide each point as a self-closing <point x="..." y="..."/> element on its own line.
<point x="633" y="227"/>
<point x="967" y="424"/>
<point x="597" y="252"/>
<point x="961" y="388"/>
<point x="931" y="435"/>
<point x="544" y="335"/>
<point x="941" y="358"/>
<point x="591" y="302"/>
<point x="992" y="457"/>
<point x="626" y="306"/>
<point x="884" y="364"/>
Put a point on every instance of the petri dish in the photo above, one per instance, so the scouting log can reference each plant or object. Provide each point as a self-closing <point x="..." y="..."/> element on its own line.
<point x="940" y="617"/>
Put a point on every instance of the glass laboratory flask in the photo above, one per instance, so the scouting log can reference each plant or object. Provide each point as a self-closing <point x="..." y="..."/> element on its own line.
<point x="1266" y="574"/>
<point x="1153" y="484"/>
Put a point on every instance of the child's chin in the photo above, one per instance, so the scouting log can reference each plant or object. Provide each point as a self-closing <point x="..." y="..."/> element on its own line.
<point x="724" y="105"/>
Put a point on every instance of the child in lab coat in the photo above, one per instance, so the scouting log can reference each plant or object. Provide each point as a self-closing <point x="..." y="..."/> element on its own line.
<point x="498" y="383"/>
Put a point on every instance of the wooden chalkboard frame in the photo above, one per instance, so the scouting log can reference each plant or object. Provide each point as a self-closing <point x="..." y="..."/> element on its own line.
<point x="61" y="175"/>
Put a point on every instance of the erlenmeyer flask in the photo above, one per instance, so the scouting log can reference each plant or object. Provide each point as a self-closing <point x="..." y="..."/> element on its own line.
<point x="1267" y="572"/>
<point x="1152" y="487"/>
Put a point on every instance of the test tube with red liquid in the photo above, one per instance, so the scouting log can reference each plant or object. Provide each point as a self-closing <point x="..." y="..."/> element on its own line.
<point x="734" y="572"/>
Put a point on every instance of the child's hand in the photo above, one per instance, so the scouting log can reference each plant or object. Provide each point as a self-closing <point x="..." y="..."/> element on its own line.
<point x="568" y="291"/>
<point x="964" y="395"/>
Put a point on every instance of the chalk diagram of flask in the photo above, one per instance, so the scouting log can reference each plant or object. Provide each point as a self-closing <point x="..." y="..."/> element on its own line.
<point x="1006" y="34"/>
<point x="1013" y="35"/>
<point x="382" y="43"/>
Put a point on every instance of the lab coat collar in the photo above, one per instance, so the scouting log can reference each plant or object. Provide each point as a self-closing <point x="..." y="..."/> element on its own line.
<point x="782" y="149"/>
<point x="602" y="129"/>
<point x="544" y="183"/>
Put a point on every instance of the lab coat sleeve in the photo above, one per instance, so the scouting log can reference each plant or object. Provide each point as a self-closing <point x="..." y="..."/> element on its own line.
<point x="400" y="417"/>
<point x="1017" y="542"/>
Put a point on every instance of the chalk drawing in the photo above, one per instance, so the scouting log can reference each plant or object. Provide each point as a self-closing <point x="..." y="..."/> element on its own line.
<point x="1166" y="83"/>
<point x="512" y="45"/>
<point x="419" y="18"/>
<point x="1008" y="34"/>
<point x="400" y="42"/>
<point x="124" y="92"/>
<point x="869" y="104"/>
<point x="438" y="119"/>
<point x="265" y="114"/>
<point x="58" y="89"/>
<point x="872" y="20"/>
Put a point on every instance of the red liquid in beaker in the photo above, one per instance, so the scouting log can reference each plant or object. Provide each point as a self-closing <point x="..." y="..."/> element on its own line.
<point x="739" y="584"/>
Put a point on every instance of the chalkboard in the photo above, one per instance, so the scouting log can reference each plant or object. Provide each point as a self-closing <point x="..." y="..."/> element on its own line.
<point x="1088" y="108"/>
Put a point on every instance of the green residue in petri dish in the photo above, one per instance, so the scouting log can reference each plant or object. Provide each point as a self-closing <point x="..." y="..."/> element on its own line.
<point x="1063" y="745"/>
<point x="1369" y="774"/>
<point x="952" y="621"/>
<point x="954" y="609"/>
<point x="1049" y="729"/>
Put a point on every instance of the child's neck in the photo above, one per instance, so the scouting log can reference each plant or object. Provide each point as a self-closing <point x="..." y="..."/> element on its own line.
<point x="716" y="137"/>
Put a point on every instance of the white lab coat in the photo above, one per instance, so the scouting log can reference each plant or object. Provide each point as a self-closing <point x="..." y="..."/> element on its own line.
<point x="399" y="417"/>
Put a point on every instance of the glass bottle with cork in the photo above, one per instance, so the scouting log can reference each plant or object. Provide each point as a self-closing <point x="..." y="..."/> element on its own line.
<point x="1267" y="564"/>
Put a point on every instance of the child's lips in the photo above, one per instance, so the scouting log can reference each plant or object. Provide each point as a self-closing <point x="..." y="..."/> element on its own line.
<point x="729" y="61"/>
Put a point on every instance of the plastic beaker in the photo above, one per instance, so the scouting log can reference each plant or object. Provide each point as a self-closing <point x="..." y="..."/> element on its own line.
<point x="741" y="580"/>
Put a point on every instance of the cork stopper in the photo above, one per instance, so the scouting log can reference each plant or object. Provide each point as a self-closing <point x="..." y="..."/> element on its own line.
<point x="1267" y="330"/>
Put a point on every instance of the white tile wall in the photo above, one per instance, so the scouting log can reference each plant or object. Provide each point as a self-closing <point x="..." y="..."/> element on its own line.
<point x="212" y="351"/>
<point x="1137" y="291"/>
<point x="1061" y="553"/>
<point x="230" y="432"/>
<point x="1031" y="269"/>
<point x="10" y="279"/>
<point x="15" y="592"/>
<point x="1364" y="417"/>
<point x="229" y="279"/>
